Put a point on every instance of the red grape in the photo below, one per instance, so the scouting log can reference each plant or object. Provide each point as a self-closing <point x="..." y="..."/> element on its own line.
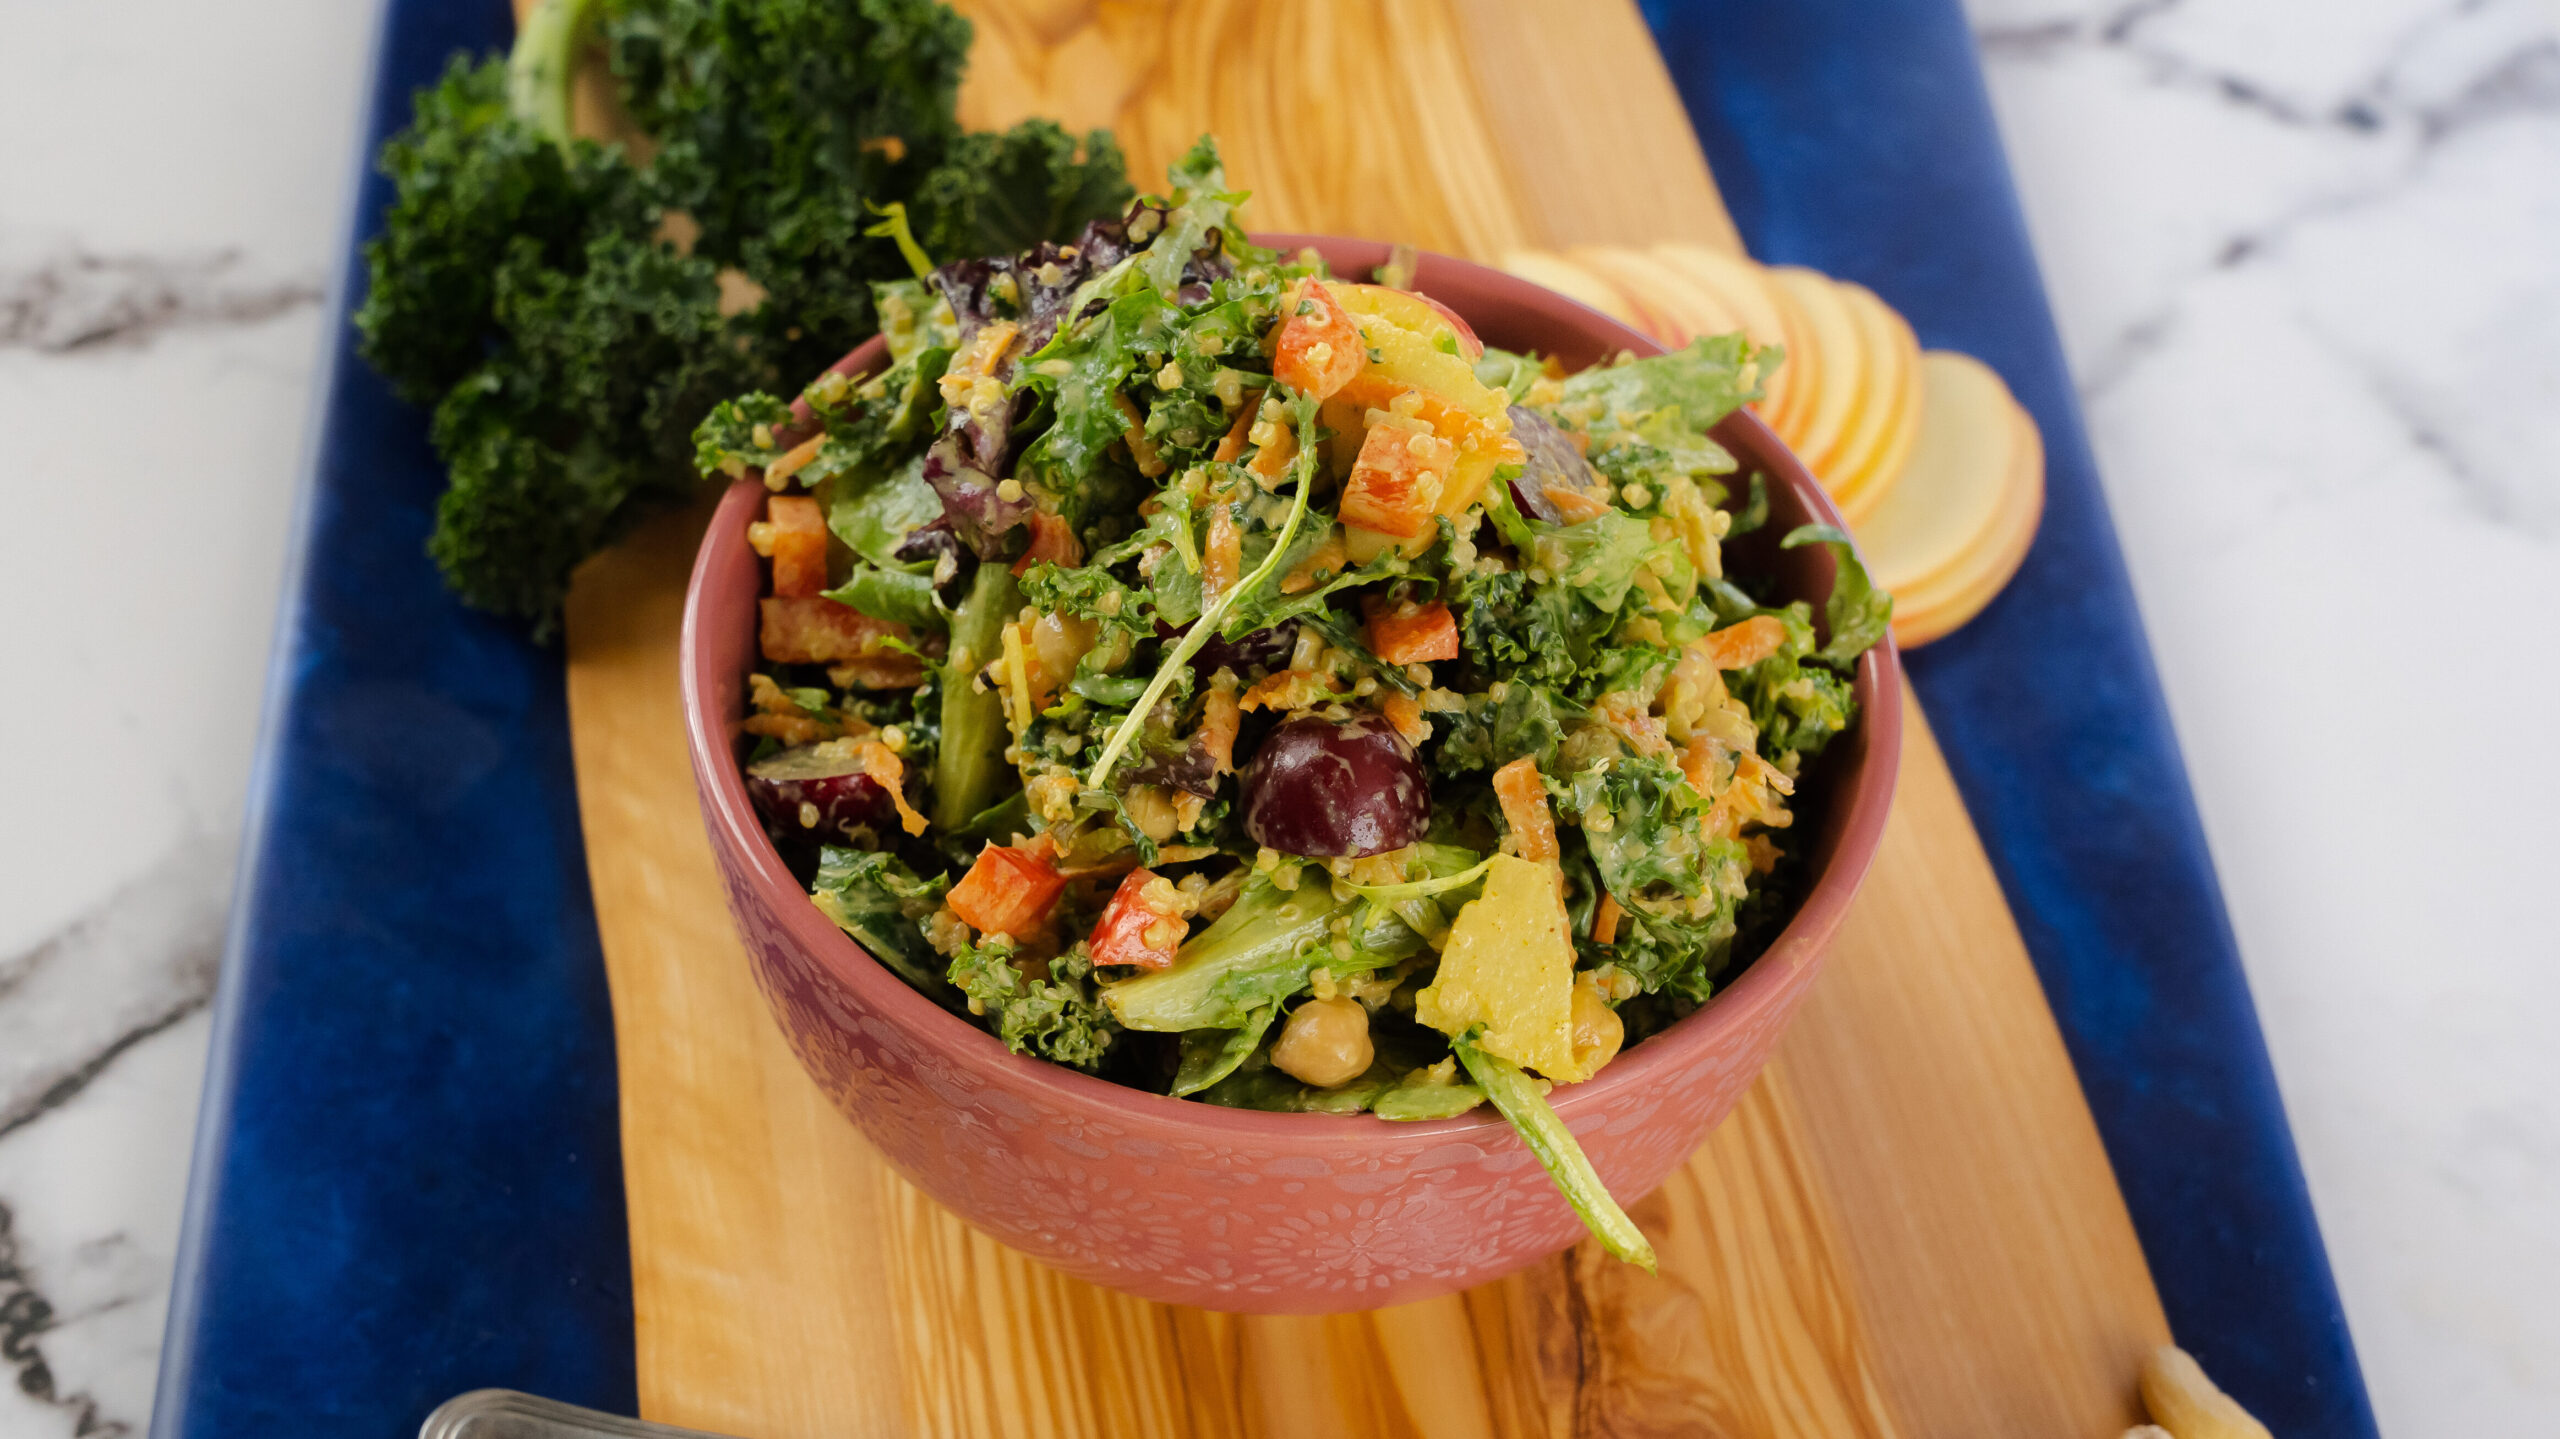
<point x="1325" y="789"/>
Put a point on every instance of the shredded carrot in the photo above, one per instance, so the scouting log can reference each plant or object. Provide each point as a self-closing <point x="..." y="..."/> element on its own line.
<point x="890" y="773"/>
<point x="1604" y="920"/>
<point x="1405" y="713"/>
<point x="790" y="729"/>
<point x="1524" y="807"/>
<point x="1222" y="558"/>
<point x="1576" y="506"/>
<point x="1134" y="430"/>
<point x="1241" y="432"/>
<point x="780" y="716"/>
<point x="1741" y="646"/>
<point x="1220" y="718"/>
<point x="987" y="348"/>
<point x="792" y="461"/>
<point x="1749" y="799"/>
<point x="1052" y="540"/>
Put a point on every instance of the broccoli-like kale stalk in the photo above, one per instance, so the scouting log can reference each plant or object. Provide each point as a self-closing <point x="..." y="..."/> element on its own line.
<point x="541" y="64"/>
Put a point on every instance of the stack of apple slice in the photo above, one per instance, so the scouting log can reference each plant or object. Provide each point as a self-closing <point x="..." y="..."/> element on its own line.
<point x="1934" y="464"/>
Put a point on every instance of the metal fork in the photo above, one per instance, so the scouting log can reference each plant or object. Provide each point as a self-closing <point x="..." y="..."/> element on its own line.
<point x="506" y="1414"/>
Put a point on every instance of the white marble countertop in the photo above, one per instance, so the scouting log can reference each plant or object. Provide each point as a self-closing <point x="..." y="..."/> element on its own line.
<point x="2316" y="242"/>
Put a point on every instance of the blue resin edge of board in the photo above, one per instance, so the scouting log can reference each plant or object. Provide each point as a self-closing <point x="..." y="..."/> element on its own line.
<point x="408" y="1168"/>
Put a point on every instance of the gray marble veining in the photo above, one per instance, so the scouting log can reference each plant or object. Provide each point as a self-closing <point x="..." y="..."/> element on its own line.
<point x="73" y="298"/>
<point x="2303" y="257"/>
<point x="122" y="974"/>
<point x="168" y="208"/>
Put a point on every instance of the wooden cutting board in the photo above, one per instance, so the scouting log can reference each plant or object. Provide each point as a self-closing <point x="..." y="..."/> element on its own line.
<point x="1907" y="1228"/>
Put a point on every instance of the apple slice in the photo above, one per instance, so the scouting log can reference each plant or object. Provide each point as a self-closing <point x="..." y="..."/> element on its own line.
<point x="2009" y="542"/>
<point x="1411" y="310"/>
<point x="1657" y="313"/>
<point x="1804" y="366"/>
<point x="1959" y="522"/>
<point x="1942" y="612"/>
<point x="1540" y="267"/>
<point x="1881" y="434"/>
<point x="1683" y="311"/>
<point x="1735" y="284"/>
<point x="1843" y="372"/>
<point x="1954" y="491"/>
<point x="1894" y="455"/>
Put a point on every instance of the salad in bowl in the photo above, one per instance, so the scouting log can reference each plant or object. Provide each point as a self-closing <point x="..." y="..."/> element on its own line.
<point x="1236" y="680"/>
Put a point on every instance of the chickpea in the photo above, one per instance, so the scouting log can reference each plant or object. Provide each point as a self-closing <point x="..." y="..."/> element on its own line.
<point x="1597" y="1030"/>
<point x="1058" y="641"/>
<point x="1326" y="1043"/>
<point x="1152" y="811"/>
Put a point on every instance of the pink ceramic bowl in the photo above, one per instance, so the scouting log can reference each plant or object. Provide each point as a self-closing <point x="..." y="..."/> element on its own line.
<point x="1236" y="1209"/>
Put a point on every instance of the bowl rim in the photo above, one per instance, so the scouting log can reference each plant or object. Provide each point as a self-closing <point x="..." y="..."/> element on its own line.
<point x="1864" y="798"/>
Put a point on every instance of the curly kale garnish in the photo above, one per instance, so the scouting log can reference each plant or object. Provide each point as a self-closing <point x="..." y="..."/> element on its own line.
<point x="572" y="312"/>
<point x="1057" y="1017"/>
<point x="997" y="194"/>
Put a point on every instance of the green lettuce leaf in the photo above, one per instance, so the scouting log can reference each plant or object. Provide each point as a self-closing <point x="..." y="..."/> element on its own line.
<point x="903" y="595"/>
<point x="1599" y="557"/>
<point x="1702" y="383"/>
<point x="1210" y="1055"/>
<point x="1857" y="614"/>
<point x="876" y="899"/>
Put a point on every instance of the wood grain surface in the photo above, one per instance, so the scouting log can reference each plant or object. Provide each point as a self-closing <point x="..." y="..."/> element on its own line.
<point x="1428" y="121"/>
<point x="1907" y="1228"/>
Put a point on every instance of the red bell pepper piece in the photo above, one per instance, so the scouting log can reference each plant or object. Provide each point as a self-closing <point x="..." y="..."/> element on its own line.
<point x="1319" y="349"/>
<point x="1008" y="891"/>
<point x="1403" y="633"/>
<point x="1143" y="924"/>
